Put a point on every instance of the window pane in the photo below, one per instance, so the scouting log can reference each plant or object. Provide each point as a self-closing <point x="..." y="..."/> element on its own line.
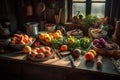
<point x="98" y="0"/>
<point x="98" y="9"/>
<point x="79" y="0"/>
<point x="79" y="7"/>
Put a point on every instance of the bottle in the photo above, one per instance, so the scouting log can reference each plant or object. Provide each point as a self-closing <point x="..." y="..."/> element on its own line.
<point x="29" y="9"/>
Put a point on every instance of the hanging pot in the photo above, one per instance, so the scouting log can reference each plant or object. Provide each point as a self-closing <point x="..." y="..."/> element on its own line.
<point x="40" y="8"/>
<point x="32" y="28"/>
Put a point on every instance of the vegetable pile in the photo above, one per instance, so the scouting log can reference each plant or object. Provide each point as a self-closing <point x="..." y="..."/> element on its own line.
<point x="72" y="42"/>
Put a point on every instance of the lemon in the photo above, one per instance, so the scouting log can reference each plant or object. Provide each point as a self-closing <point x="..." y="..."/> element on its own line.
<point x="27" y="49"/>
<point x="93" y="51"/>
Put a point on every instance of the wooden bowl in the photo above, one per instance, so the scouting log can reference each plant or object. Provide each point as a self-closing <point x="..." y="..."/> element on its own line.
<point x="30" y="57"/>
<point x="20" y="46"/>
<point x="105" y="51"/>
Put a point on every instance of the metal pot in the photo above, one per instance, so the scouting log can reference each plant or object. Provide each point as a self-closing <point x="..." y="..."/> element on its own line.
<point x="4" y="32"/>
<point x="32" y="28"/>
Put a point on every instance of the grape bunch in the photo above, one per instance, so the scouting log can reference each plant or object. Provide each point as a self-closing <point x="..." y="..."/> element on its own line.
<point x="101" y="43"/>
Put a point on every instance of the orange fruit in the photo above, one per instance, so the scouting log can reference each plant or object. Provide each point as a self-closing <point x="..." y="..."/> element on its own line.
<point x="48" y="39"/>
<point x="27" y="49"/>
<point x="54" y="35"/>
<point x="57" y="35"/>
<point x="64" y="48"/>
<point x="89" y="56"/>
<point x="51" y="35"/>
<point x="42" y="36"/>
<point x="59" y="32"/>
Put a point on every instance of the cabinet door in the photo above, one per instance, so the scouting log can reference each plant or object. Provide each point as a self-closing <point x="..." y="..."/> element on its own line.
<point x="10" y="70"/>
<point x="42" y="72"/>
<point x="3" y="9"/>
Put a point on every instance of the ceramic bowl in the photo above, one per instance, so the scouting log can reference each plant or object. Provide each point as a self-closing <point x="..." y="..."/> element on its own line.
<point x="20" y="46"/>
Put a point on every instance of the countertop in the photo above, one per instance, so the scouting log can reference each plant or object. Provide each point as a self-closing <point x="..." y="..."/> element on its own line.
<point x="82" y="65"/>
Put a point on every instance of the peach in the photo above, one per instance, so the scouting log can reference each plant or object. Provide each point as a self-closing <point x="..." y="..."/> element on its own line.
<point x="89" y="56"/>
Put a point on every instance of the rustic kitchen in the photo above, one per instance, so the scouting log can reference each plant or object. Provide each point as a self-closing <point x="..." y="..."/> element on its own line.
<point x="59" y="40"/>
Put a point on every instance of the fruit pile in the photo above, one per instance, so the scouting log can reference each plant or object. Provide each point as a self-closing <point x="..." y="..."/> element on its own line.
<point x="72" y="42"/>
<point x="47" y="37"/>
<point x="101" y="43"/>
<point x="21" y="39"/>
<point x="40" y="52"/>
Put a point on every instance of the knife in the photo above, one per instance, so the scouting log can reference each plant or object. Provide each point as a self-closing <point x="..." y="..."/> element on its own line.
<point x="71" y="62"/>
<point x="57" y="53"/>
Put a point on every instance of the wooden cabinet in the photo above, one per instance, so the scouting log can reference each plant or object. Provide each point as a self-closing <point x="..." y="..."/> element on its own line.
<point x="3" y="10"/>
<point x="42" y="72"/>
<point x="8" y="13"/>
<point x="15" y="69"/>
<point x="10" y="70"/>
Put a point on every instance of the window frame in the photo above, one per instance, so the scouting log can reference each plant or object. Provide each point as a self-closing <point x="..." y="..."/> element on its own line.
<point x="88" y="7"/>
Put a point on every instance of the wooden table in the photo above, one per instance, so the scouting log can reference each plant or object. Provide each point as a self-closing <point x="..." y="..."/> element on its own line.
<point x="18" y="67"/>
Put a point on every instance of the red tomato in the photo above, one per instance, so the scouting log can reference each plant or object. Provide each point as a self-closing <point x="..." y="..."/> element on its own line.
<point x="64" y="48"/>
<point x="37" y="44"/>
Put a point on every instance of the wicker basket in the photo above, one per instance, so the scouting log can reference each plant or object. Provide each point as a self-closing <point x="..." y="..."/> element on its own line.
<point x="105" y="51"/>
<point x="95" y="33"/>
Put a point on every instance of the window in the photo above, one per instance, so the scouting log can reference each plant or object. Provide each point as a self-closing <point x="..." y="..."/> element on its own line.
<point x="98" y="8"/>
<point x="78" y="5"/>
<point x="93" y="7"/>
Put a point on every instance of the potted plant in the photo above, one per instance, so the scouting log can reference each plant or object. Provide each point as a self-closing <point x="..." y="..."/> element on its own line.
<point x="90" y="22"/>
